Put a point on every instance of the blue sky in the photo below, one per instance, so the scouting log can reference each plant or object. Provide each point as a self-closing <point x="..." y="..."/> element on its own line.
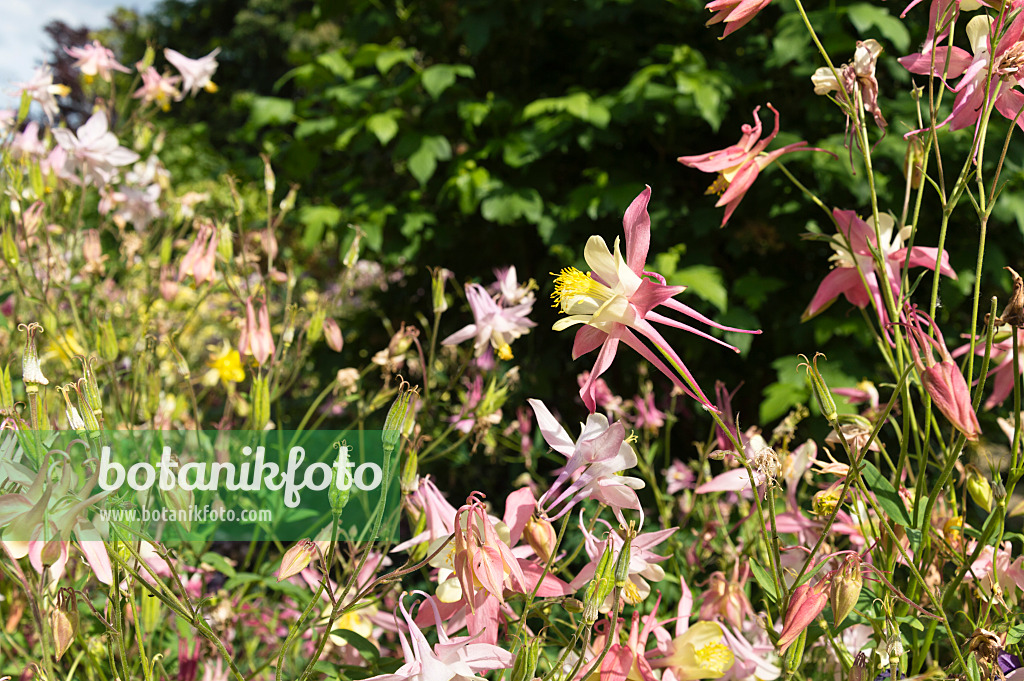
<point x="23" y="43"/>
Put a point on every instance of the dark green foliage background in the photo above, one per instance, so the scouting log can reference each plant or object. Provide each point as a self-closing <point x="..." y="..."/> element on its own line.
<point x="479" y="134"/>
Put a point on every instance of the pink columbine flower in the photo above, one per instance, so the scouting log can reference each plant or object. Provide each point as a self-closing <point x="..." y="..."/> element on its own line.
<point x="679" y="476"/>
<point x="735" y="13"/>
<point x="494" y="323"/>
<point x="1003" y="65"/>
<point x="853" y="248"/>
<point x="858" y="76"/>
<point x="617" y="298"/>
<point x="648" y="416"/>
<point x="43" y="90"/>
<point x="94" y="149"/>
<point x="1003" y="371"/>
<point x="448" y="660"/>
<point x="599" y="456"/>
<point x="195" y="73"/>
<point x="739" y="165"/>
<point x="201" y="257"/>
<point x="158" y="89"/>
<point x="256" y="340"/>
<point x="95" y="60"/>
<point x="943" y="380"/>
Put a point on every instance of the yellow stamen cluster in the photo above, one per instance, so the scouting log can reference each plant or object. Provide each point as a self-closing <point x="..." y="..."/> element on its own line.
<point x="718" y="186"/>
<point x="631" y="593"/>
<point x="714" y="657"/>
<point x="570" y="283"/>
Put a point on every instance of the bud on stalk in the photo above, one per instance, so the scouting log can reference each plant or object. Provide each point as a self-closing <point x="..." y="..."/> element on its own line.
<point x="846" y="587"/>
<point x="63" y="621"/>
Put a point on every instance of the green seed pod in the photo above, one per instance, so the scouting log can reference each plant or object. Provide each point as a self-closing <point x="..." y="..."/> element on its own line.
<point x="341" y="482"/>
<point x="316" y="325"/>
<point x="259" y="395"/>
<point x="526" y="662"/>
<point x="108" y="341"/>
<point x="9" y="249"/>
<point x="410" y="468"/>
<point x="979" y="489"/>
<point x="822" y="394"/>
<point x="352" y="255"/>
<point x="394" y="424"/>
<point x="6" y="392"/>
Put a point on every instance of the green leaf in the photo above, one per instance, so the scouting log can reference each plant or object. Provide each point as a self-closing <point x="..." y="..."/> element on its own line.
<point x="315" y="127"/>
<point x="336" y="63"/>
<point x="317" y="219"/>
<point x="1015" y="634"/>
<point x="973" y="673"/>
<point x="218" y="563"/>
<point x="439" y="77"/>
<point x="365" y="648"/>
<point x="423" y="161"/>
<point x="865" y="17"/>
<point x="887" y="496"/>
<point x="508" y="206"/>
<point x="578" y="104"/>
<point x="764" y="580"/>
<point x="384" y="125"/>
<point x="270" y="111"/>
<point x="706" y="282"/>
<point x="388" y="58"/>
<point x="779" y="398"/>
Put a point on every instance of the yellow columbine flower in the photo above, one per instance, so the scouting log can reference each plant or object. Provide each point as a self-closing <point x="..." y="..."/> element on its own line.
<point x="227" y="365"/>
<point x="700" y="653"/>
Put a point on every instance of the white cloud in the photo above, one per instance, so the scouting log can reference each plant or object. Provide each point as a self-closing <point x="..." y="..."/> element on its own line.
<point x="23" y="44"/>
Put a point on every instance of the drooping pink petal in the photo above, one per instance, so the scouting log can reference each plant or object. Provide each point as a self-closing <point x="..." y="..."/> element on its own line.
<point x="637" y="225"/>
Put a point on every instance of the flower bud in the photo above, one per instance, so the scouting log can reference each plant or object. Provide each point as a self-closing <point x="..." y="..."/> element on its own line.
<point x="288" y="334"/>
<point x="846" y="586"/>
<point x="269" y="181"/>
<point x="296" y="559"/>
<point x="979" y="489"/>
<point x="573" y="605"/>
<point x="63" y="621"/>
<point x="541" y="537"/>
<point x="437" y="279"/>
<point x="288" y="202"/>
<point x="352" y="255"/>
<point x="913" y="162"/>
<point x="805" y="604"/>
<point x="332" y="334"/>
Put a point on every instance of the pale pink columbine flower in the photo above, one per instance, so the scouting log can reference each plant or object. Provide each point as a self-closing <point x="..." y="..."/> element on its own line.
<point x="858" y="76"/>
<point x="458" y="659"/>
<point x="427" y="502"/>
<point x="201" y="257"/>
<point x="27" y="144"/>
<point x="726" y="598"/>
<point x="158" y="89"/>
<point x="617" y="298"/>
<point x="195" y="73"/>
<point x="852" y="249"/>
<point x="738" y="166"/>
<point x="648" y="416"/>
<point x="976" y="84"/>
<point x="599" y="457"/>
<point x="735" y="13"/>
<point x="997" y="567"/>
<point x="256" y="340"/>
<point x="494" y="324"/>
<point x="95" y="60"/>
<point x="508" y="288"/>
<point x="94" y="149"/>
<point x="608" y="401"/>
<point x="679" y="476"/>
<point x="751" y="661"/>
<point x="1003" y="369"/>
<point x="480" y="558"/>
<point x="43" y="90"/>
<point x="942" y="379"/>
